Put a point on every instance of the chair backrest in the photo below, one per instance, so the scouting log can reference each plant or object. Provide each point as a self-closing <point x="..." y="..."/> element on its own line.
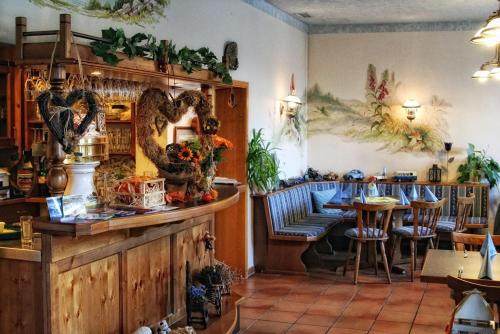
<point x="491" y="289"/>
<point x="425" y="216"/>
<point x="463" y="212"/>
<point x="373" y="219"/>
<point x="473" y="241"/>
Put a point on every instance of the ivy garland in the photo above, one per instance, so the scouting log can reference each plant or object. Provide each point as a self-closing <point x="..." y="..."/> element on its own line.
<point x="142" y="45"/>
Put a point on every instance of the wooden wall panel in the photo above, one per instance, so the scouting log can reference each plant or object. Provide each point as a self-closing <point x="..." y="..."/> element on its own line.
<point x="147" y="284"/>
<point x="21" y="291"/>
<point x="188" y="246"/>
<point x="87" y="298"/>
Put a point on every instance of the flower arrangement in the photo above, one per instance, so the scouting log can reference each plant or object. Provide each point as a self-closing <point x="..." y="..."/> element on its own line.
<point x="199" y="160"/>
<point x="198" y="294"/>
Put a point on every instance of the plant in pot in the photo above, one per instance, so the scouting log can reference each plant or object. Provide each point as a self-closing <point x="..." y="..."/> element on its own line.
<point x="262" y="164"/>
<point x="477" y="166"/>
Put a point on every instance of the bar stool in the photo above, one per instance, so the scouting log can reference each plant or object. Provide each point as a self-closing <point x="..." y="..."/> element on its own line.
<point x="372" y="222"/>
<point x="464" y="208"/>
<point x="425" y="218"/>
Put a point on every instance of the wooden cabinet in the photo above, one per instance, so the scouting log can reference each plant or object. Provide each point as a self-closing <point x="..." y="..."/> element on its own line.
<point x="118" y="281"/>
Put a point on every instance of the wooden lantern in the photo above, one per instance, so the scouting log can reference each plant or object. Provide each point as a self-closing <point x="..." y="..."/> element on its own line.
<point x="435" y="173"/>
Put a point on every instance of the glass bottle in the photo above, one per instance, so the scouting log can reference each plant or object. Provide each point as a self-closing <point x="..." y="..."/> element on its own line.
<point x="25" y="173"/>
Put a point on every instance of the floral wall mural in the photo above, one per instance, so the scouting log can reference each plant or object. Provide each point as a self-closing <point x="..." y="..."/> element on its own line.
<point x="128" y="11"/>
<point x="379" y="117"/>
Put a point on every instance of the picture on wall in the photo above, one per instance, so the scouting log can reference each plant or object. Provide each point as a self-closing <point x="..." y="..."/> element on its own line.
<point x="128" y="11"/>
<point x="379" y="118"/>
<point x="183" y="134"/>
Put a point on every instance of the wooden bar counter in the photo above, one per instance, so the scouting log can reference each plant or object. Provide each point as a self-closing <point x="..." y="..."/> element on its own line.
<point x="108" y="276"/>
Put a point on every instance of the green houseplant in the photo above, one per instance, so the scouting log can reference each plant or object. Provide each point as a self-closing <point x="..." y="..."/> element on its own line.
<point x="262" y="164"/>
<point x="477" y="166"/>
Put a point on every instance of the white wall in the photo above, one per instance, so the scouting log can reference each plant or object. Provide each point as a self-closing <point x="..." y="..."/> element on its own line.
<point x="269" y="51"/>
<point x="426" y="63"/>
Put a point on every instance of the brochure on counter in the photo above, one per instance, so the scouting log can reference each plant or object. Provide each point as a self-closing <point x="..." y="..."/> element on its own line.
<point x="79" y="207"/>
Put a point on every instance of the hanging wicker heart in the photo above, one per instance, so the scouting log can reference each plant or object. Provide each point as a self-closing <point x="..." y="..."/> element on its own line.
<point x="58" y="114"/>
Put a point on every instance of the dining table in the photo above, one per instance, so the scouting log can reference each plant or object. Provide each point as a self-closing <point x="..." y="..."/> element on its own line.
<point x="441" y="263"/>
<point x="396" y="221"/>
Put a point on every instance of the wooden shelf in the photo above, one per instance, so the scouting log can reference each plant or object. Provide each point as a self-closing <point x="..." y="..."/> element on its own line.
<point x="121" y="153"/>
<point x="32" y="121"/>
<point x="118" y="121"/>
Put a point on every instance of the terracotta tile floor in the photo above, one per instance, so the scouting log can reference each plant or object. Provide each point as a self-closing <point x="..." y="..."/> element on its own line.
<point x="331" y="304"/>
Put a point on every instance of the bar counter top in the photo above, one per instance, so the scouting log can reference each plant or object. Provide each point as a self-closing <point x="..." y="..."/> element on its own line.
<point x="228" y="195"/>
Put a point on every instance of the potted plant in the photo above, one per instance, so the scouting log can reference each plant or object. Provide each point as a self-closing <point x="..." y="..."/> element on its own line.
<point x="477" y="166"/>
<point x="262" y="164"/>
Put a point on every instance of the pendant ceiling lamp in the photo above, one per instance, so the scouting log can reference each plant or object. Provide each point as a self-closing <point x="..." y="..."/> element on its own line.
<point x="490" y="69"/>
<point x="489" y="35"/>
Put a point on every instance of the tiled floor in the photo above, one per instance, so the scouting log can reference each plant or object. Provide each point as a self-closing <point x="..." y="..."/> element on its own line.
<point x="332" y="304"/>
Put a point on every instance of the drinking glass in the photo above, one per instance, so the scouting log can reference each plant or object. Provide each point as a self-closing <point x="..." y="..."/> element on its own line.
<point x="26" y="231"/>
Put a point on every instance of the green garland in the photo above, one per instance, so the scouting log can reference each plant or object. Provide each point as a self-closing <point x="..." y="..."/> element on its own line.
<point x="142" y="45"/>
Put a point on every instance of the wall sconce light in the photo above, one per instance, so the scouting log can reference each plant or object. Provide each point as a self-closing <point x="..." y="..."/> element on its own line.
<point x="291" y="102"/>
<point x="411" y="106"/>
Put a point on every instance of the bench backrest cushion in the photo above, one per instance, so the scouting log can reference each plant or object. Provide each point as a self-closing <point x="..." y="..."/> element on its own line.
<point x="450" y="192"/>
<point x="289" y="205"/>
<point x="321" y="193"/>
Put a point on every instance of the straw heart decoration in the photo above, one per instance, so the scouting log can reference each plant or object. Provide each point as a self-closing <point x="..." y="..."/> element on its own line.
<point x="52" y="104"/>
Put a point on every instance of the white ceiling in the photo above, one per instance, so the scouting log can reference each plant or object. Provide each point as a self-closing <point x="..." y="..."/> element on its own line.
<point x="333" y="12"/>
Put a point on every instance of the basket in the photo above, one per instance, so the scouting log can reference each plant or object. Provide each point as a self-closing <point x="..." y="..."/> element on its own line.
<point x="140" y="193"/>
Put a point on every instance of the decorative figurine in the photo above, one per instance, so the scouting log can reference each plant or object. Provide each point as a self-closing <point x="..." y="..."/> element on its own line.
<point x="354" y="174"/>
<point x="230" y="58"/>
<point x="162" y="327"/>
<point x="143" y="330"/>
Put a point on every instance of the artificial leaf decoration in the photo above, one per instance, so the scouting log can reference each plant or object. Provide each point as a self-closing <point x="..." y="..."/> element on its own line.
<point x="142" y="45"/>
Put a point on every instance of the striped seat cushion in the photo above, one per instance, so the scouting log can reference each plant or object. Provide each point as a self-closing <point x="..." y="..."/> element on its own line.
<point x="314" y="220"/>
<point x="407" y="231"/>
<point x="471" y="220"/>
<point x="354" y="233"/>
<point x="349" y="214"/>
<point x="445" y="226"/>
<point x="300" y="230"/>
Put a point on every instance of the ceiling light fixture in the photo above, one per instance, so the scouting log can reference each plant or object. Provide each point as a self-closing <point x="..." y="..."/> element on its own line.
<point x="489" y="34"/>
<point x="489" y="69"/>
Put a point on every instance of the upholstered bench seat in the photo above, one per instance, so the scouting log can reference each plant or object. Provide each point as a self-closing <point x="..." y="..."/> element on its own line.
<point x="315" y="221"/>
<point x="300" y="230"/>
<point x="480" y="221"/>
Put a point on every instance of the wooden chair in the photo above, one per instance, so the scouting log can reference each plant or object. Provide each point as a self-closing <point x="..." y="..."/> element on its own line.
<point x="491" y="289"/>
<point x="473" y="241"/>
<point x="425" y="217"/>
<point x="372" y="223"/>
<point x="464" y="208"/>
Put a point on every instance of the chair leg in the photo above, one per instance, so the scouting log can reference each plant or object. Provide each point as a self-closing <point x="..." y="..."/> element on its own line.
<point x="358" y="258"/>
<point x="412" y="252"/>
<point x="415" y="249"/>
<point x="375" y="257"/>
<point x="393" y="251"/>
<point x="348" y="257"/>
<point x="437" y="240"/>
<point x="384" y="259"/>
